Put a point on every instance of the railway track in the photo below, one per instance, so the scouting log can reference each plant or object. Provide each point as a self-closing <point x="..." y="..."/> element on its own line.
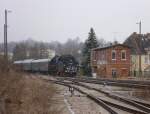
<point x="140" y="105"/>
<point x="111" y="107"/>
<point x="121" y="83"/>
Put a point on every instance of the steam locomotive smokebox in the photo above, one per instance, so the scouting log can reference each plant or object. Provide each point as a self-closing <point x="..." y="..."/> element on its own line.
<point x="64" y="65"/>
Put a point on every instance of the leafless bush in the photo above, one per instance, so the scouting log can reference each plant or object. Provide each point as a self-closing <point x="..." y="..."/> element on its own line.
<point x="38" y="97"/>
<point x="24" y="94"/>
<point x="3" y="64"/>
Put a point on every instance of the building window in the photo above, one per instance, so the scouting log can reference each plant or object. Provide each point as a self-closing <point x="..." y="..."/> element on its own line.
<point x="123" y="55"/>
<point x="113" y="55"/>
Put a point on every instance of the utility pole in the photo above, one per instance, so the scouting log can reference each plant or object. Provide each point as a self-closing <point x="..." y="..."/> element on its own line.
<point x="140" y="70"/>
<point x="140" y="25"/>
<point x="5" y="36"/>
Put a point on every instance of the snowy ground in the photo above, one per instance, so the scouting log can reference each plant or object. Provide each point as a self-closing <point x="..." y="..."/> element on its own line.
<point x="125" y="91"/>
<point x="78" y="103"/>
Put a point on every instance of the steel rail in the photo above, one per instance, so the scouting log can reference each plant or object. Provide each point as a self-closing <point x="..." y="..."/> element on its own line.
<point x="109" y="82"/>
<point x="98" y="101"/>
<point x="105" y="104"/>
<point x="117" y="97"/>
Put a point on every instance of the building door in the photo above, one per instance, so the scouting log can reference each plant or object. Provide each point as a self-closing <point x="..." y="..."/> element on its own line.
<point x="114" y="73"/>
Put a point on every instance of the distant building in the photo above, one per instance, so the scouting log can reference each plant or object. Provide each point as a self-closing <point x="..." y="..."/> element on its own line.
<point x="50" y="53"/>
<point x="111" y="61"/>
<point x="10" y="55"/>
<point x="140" y="53"/>
<point x="42" y="54"/>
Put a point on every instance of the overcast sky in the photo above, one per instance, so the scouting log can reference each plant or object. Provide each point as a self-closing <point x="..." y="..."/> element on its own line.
<point x="50" y="20"/>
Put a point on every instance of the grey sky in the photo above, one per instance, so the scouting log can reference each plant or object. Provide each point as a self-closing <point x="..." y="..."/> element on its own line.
<point x="50" y="20"/>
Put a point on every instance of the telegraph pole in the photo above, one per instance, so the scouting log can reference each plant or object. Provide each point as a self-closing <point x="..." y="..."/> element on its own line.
<point x="140" y="27"/>
<point x="140" y="70"/>
<point x="5" y="35"/>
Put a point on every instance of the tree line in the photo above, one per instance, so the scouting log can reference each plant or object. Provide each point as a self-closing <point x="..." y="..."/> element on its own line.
<point x="31" y="49"/>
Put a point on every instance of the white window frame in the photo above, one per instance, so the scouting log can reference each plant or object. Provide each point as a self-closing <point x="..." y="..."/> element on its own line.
<point x="112" y="54"/>
<point x="124" y="51"/>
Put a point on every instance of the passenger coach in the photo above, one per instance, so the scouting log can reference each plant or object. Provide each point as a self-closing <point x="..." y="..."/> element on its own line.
<point x="64" y="65"/>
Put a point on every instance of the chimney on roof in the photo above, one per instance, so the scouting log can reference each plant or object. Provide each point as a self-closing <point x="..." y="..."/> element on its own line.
<point x="134" y="34"/>
<point x="110" y="44"/>
<point x="115" y="42"/>
<point x="147" y="35"/>
<point x="137" y="35"/>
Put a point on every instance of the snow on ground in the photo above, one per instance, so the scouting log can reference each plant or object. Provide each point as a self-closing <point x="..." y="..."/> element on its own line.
<point x="124" y="91"/>
<point x="78" y="103"/>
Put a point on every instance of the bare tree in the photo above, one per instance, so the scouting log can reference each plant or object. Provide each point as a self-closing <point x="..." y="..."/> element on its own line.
<point x="73" y="47"/>
<point x="20" y="51"/>
<point x="34" y="52"/>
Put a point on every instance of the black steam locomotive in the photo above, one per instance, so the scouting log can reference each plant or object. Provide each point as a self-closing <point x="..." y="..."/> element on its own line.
<point x="64" y="65"/>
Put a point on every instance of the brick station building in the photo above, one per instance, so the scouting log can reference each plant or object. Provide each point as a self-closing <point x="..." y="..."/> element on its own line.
<point x="111" y="61"/>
